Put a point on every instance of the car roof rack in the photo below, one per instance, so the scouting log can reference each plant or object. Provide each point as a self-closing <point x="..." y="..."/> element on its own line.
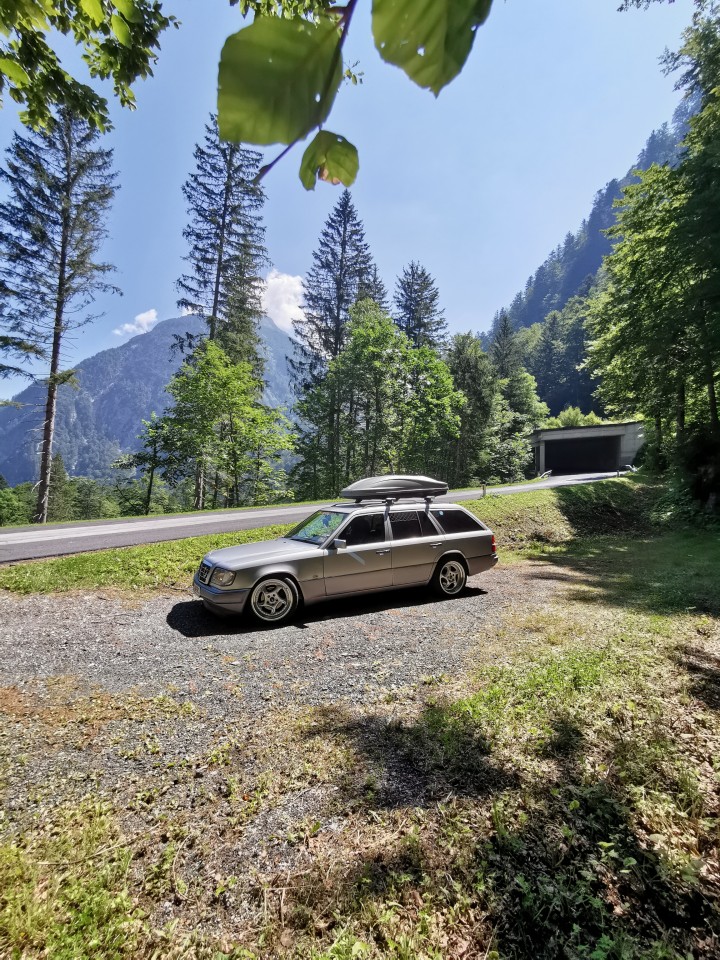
<point x="389" y="489"/>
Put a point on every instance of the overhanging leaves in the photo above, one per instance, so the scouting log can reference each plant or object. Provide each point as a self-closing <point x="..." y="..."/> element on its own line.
<point x="429" y="39"/>
<point x="278" y="79"/>
<point x="329" y="157"/>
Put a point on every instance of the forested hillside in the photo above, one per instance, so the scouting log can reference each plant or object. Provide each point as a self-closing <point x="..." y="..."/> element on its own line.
<point x="571" y="267"/>
<point x="117" y="389"/>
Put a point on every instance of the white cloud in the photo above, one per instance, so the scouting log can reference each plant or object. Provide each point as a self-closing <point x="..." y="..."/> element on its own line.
<point x="282" y="298"/>
<point x="141" y="324"/>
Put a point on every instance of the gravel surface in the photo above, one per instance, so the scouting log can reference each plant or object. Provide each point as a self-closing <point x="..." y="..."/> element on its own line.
<point x="355" y="651"/>
<point x="234" y="738"/>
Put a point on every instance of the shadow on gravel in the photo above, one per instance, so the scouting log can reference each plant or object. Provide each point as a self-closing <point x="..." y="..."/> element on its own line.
<point x="412" y="765"/>
<point x="192" y="620"/>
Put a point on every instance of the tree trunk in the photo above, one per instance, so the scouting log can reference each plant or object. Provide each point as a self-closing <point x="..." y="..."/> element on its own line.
<point x="221" y="253"/>
<point x="41" y="513"/>
<point x="148" y="495"/>
<point x="680" y="411"/>
<point x="712" y="398"/>
<point x="199" y="499"/>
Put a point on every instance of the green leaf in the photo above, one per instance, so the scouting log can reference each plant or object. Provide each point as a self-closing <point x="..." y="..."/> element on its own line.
<point x="329" y="157"/>
<point x="429" y="39"/>
<point x="14" y="72"/>
<point x="94" y="10"/>
<point x="278" y="79"/>
<point x="128" y="9"/>
<point x="120" y="29"/>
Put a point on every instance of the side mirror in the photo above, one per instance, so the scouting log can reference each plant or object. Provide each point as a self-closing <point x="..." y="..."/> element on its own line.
<point x="339" y="544"/>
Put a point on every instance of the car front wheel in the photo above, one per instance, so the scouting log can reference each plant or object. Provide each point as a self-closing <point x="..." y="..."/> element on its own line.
<point x="274" y="600"/>
<point x="450" y="577"/>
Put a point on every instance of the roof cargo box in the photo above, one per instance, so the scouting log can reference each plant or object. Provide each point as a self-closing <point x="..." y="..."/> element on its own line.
<point x="394" y="487"/>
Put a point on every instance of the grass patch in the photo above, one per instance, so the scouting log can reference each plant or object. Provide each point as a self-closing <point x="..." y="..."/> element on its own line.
<point x="151" y="566"/>
<point x="521" y="521"/>
<point x="64" y="891"/>
<point x="564" y="806"/>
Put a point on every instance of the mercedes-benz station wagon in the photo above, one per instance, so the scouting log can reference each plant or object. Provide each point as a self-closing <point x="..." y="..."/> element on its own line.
<point x="393" y="535"/>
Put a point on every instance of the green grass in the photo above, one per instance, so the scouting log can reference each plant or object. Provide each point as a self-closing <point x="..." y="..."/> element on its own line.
<point x="562" y="803"/>
<point x="519" y="520"/>
<point x="152" y="566"/>
<point x="63" y="889"/>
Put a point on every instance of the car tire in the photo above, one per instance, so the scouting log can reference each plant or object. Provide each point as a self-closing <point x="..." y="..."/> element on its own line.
<point x="273" y="601"/>
<point x="450" y="577"/>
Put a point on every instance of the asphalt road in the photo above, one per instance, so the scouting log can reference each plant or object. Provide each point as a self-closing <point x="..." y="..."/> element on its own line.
<point x="53" y="540"/>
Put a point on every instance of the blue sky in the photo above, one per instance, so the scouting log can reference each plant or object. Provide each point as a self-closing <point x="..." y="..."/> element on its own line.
<point x="478" y="185"/>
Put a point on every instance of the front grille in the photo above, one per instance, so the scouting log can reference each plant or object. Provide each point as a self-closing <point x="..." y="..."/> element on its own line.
<point x="204" y="572"/>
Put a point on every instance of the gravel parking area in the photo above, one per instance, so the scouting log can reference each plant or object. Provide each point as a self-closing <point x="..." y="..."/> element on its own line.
<point x="356" y="651"/>
<point x="216" y="744"/>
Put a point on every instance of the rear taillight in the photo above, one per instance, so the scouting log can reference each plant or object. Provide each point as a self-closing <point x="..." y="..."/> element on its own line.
<point x="493" y="545"/>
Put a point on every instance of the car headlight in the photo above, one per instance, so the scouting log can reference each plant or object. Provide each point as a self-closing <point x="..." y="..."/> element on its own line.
<point x="222" y="578"/>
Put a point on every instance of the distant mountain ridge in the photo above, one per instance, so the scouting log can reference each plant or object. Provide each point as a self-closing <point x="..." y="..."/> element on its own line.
<point x="118" y="388"/>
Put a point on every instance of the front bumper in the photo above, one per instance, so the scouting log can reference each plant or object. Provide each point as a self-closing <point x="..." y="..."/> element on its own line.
<point x="222" y="601"/>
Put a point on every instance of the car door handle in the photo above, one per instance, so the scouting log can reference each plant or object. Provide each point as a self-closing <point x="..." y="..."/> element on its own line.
<point x="381" y="552"/>
<point x="436" y="545"/>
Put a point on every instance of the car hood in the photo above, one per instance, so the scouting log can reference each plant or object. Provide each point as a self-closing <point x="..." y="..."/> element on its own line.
<point x="250" y="554"/>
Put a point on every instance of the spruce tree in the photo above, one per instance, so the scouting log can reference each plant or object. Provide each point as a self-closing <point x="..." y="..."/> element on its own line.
<point x="227" y="245"/>
<point x="14" y="347"/>
<point x="504" y="347"/>
<point x="416" y="307"/>
<point x="372" y="288"/>
<point x="60" y="184"/>
<point x="342" y="272"/>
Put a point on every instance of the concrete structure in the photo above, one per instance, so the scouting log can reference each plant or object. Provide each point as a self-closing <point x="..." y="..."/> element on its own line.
<point x="608" y="446"/>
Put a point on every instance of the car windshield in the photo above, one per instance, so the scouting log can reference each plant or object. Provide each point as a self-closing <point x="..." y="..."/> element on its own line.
<point x="318" y="527"/>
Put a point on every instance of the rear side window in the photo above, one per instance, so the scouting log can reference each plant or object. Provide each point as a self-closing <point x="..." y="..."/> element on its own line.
<point x="405" y="525"/>
<point x="457" y="521"/>
<point x="428" y="528"/>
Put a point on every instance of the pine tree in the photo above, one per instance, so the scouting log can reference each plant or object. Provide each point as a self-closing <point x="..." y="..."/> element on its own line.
<point x="504" y="348"/>
<point x="372" y="288"/>
<point x="15" y="347"/>
<point x="417" y="312"/>
<point x="227" y="245"/>
<point x="60" y="184"/>
<point x="341" y="272"/>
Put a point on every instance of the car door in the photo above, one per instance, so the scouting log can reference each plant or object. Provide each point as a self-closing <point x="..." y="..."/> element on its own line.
<point x="416" y="545"/>
<point x="365" y="562"/>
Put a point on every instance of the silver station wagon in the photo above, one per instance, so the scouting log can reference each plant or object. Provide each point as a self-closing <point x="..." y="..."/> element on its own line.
<point x="393" y="535"/>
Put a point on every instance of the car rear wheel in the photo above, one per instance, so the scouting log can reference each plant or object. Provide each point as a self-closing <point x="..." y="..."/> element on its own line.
<point x="450" y="577"/>
<point x="274" y="600"/>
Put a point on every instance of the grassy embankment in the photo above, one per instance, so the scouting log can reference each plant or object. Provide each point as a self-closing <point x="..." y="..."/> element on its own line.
<point x="565" y="806"/>
<point x="521" y="521"/>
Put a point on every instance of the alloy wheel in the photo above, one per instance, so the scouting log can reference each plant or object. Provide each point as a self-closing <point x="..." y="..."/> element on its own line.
<point x="272" y="600"/>
<point x="452" y="577"/>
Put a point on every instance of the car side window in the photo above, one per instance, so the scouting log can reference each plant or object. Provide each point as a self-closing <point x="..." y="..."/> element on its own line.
<point x="365" y="528"/>
<point x="405" y="525"/>
<point x="427" y="526"/>
<point x="457" y="521"/>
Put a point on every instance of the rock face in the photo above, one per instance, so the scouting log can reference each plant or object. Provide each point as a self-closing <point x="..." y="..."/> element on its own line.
<point x="117" y="389"/>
